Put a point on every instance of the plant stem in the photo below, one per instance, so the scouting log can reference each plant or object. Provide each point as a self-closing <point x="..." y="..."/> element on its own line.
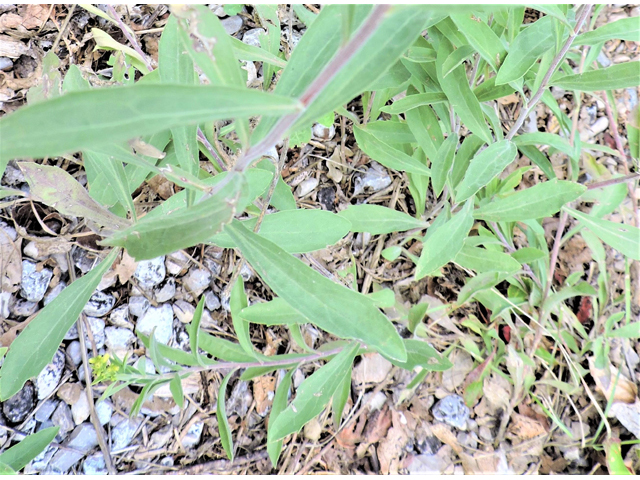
<point x="552" y="68"/>
<point x="613" y="181"/>
<point x="203" y="139"/>
<point x="132" y="40"/>
<point x="316" y="88"/>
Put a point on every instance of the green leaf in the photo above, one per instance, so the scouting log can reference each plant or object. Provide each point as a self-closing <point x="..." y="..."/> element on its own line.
<point x="112" y="180"/>
<point x="105" y="42"/>
<point x="624" y="238"/>
<point x="6" y="469"/>
<point x="615" y="462"/>
<point x="49" y="84"/>
<point x="348" y="314"/>
<point x="155" y="236"/>
<point x="313" y="394"/>
<point x="528" y="255"/>
<point x="387" y="155"/>
<point x="421" y="354"/>
<point x="106" y="115"/>
<point x="544" y="138"/>
<point x="271" y="41"/>
<point x="488" y="90"/>
<point x="238" y="301"/>
<point x="224" y="349"/>
<point x="194" y="329"/>
<point x="379" y="220"/>
<point x="223" y="421"/>
<point x="34" y="348"/>
<point x="624" y="29"/>
<point x="530" y="44"/>
<point x="384" y="298"/>
<point x="460" y="96"/>
<point x="274" y="447"/>
<point x="539" y="159"/>
<point x="175" y="386"/>
<point x="456" y="58"/>
<point x="483" y="260"/>
<point x="18" y="456"/>
<point x="56" y="188"/>
<point x="470" y="146"/>
<point x="391" y="132"/>
<point x="582" y="289"/>
<point x="443" y="245"/>
<point x="416" y="315"/>
<point x="340" y="398"/>
<point x="443" y="162"/>
<point x="306" y="16"/>
<point x="631" y="330"/>
<point x="413" y="101"/>
<point x="622" y="75"/>
<point x="255" y="54"/>
<point x="482" y="38"/>
<point x="170" y="353"/>
<point x="296" y="231"/>
<point x="392" y="78"/>
<point x="542" y="200"/>
<point x="484" y="167"/>
<point x="479" y="283"/>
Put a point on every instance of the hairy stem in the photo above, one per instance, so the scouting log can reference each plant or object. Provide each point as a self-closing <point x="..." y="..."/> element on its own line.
<point x="132" y="40"/>
<point x="552" y="68"/>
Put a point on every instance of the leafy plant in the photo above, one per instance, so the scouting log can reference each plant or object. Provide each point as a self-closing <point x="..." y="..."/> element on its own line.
<point x="444" y="135"/>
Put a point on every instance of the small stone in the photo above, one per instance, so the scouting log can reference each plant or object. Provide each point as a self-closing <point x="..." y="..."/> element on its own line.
<point x="193" y="435"/>
<point x="240" y="399"/>
<point x="246" y="273"/>
<point x="34" y="283"/>
<point x="99" y="304"/>
<point x="167" y="292"/>
<point x="167" y="461"/>
<point x="118" y="339"/>
<point x="452" y="410"/>
<point x="62" y="418"/>
<point x="6" y="64"/>
<point x="104" y="410"/>
<point x="74" y="353"/>
<point x="83" y="439"/>
<point x="17" y="408"/>
<point x="322" y="132"/>
<point x="53" y="293"/>
<point x="231" y="25"/>
<point x="327" y="197"/>
<point x="196" y="281"/>
<point x="160" y="319"/>
<point x="12" y="175"/>
<point x="307" y="186"/>
<point x="72" y="334"/>
<point x="97" y="326"/>
<point x="376" y="178"/>
<point x="50" y="376"/>
<point x="95" y="465"/>
<point x="46" y="409"/>
<point x="252" y="37"/>
<point x="150" y="273"/>
<point x="5" y="301"/>
<point x="183" y="311"/>
<point x="603" y="59"/>
<point x="177" y="263"/>
<point x="599" y="126"/>
<point x="211" y="300"/>
<point x="23" y="308"/>
<point x="69" y="393"/>
<point x="40" y="462"/>
<point x="138" y="306"/>
<point x="124" y="432"/>
<point x="84" y="259"/>
<point x="120" y="316"/>
<point x="81" y="410"/>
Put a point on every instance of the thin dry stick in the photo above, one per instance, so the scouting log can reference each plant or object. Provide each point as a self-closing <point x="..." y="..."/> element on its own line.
<point x="552" y="68"/>
<point x="65" y="24"/>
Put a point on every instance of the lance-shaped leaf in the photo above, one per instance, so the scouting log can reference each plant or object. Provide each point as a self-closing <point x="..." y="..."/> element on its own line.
<point x="482" y="38"/>
<point x="223" y="422"/>
<point x="413" y="101"/>
<point x="185" y="227"/>
<point x="296" y="231"/>
<point x="622" y="75"/>
<point x="387" y="155"/>
<point x="329" y="306"/>
<point x="625" y="29"/>
<point x="420" y="353"/>
<point x="530" y="44"/>
<point x="484" y="167"/>
<point x="18" y="456"/>
<point x="482" y="260"/>
<point x="542" y="200"/>
<point x="379" y="220"/>
<point x="443" y="245"/>
<point x="313" y="395"/>
<point x="56" y="188"/>
<point x="238" y="301"/>
<point x="34" y="348"/>
<point x="443" y="162"/>
<point x="624" y="238"/>
<point x="279" y="404"/>
<point x="106" y="115"/>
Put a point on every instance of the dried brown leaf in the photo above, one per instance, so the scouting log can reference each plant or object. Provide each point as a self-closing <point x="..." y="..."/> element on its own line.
<point x="625" y="390"/>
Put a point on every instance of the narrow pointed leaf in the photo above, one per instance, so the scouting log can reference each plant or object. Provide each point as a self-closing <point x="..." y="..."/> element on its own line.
<point x="34" y="348"/>
<point x="482" y="38"/>
<point x="314" y="394"/>
<point x="421" y="354"/>
<point x="152" y="237"/>
<point x="482" y="260"/>
<point x="542" y="200"/>
<point x="329" y="306"/>
<point x="238" y="301"/>
<point x="624" y="238"/>
<point x="387" y="155"/>
<point x="274" y="447"/>
<point x="443" y="245"/>
<point x="484" y="167"/>
<point x="18" y="456"/>
<point x="443" y="162"/>
<point x="624" y="29"/>
<point x="530" y="44"/>
<point x="106" y="115"/>
<point x="379" y="220"/>
<point x="622" y="75"/>
<point x="456" y="58"/>
<point x="339" y="400"/>
<point x="223" y="422"/>
<point x="413" y="101"/>
<point x="175" y="386"/>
